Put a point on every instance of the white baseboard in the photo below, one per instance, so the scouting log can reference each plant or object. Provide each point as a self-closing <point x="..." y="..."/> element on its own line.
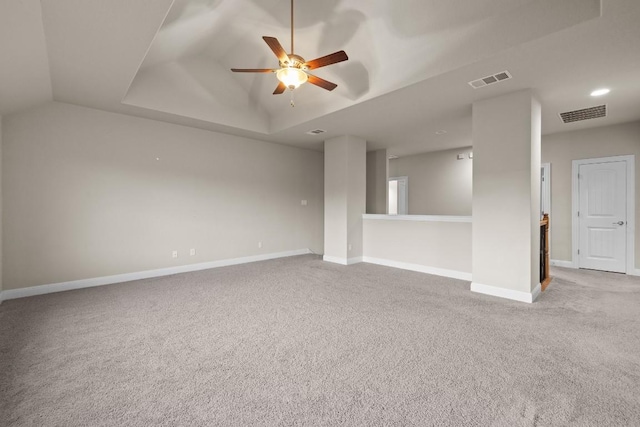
<point x="342" y="261"/>
<point x="569" y="264"/>
<point x="127" y="277"/>
<point x="561" y="263"/>
<point x="334" y="259"/>
<point x="454" y="274"/>
<point x="506" y="293"/>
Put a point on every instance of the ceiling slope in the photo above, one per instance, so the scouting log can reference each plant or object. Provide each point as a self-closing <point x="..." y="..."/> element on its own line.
<point x="406" y="78"/>
<point x="186" y="70"/>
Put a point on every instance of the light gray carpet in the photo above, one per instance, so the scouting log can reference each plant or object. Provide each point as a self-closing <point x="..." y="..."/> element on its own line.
<point x="298" y="341"/>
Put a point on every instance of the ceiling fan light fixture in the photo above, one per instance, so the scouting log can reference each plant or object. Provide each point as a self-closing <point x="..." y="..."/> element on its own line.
<point x="292" y="77"/>
<point x="292" y="71"/>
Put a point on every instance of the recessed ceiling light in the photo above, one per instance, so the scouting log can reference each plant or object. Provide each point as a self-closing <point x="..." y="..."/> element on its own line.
<point x="441" y="132"/>
<point x="600" y="92"/>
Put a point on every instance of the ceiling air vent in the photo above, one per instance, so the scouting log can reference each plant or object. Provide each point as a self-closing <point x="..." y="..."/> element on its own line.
<point x="316" y="131"/>
<point x="584" y="114"/>
<point x="489" y="80"/>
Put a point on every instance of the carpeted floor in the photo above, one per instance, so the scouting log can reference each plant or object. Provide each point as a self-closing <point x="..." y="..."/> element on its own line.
<point x="298" y="341"/>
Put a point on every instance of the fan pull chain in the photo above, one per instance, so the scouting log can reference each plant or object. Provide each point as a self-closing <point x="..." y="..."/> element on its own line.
<point x="291" y="102"/>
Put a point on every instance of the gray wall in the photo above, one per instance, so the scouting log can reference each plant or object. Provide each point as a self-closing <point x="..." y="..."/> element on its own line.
<point x="439" y="183"/>
<point x="1" y="285"/>
<point x="377" y="182"/>
<point x="560" y="149"/>
<point x="440" y="245"/>
<point x="85" y="197"/>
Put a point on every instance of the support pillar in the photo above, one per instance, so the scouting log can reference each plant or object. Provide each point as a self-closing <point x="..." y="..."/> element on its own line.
<point x="506" y="196"/>
<point x="345" y="180"/>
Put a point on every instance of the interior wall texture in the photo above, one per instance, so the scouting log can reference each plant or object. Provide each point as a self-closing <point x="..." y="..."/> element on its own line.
<point x="377" y="182"/>
<point x="89" y="193"/>
<point x="560" y="149"/>
<point x="1" y="286"/>
<point x="443" y="245"/>
<point x="439" y="183"/>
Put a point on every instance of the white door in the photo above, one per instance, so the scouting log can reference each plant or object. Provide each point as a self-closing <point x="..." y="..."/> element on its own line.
<point x="399" y="195"/>
<point x="602" y="216"/>
<point x="393" y="197"/>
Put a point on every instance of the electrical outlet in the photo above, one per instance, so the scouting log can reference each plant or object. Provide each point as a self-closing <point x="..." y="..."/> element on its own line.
<point x="192" y="252"/>
<point x="349" y="247"/>
<point x="259" y="245"/>
<point x="174" y="254"/>
<point x="303" y="203"/>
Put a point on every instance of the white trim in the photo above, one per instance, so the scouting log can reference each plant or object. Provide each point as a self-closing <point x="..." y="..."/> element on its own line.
<point x="127" y="277"/>
<point x="454" y="274"/>
<point x="424" y="218"/>
<point x="634" y="272"/>
<point x="334" y="259"/>
<point x="546" y="167"/>
<point x="342" y="261"/>
<point x="561" y="263"/>
<point x="547" y="185"/>
<point x="506" y="293"/>
<point x="631" y="207"/>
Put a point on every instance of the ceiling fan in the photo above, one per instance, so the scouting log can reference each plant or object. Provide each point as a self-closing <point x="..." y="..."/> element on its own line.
<point x="293" y="68"/>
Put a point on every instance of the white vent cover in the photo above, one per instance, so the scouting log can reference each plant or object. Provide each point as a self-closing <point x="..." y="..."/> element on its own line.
<point x="316" y="131"/>
<point x="489" y="80"/>
<point x="584" y="114"/>
<point x="392" y="156"/>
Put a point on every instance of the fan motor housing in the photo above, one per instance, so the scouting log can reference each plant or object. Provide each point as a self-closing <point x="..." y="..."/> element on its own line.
<point x="295" y="61"/>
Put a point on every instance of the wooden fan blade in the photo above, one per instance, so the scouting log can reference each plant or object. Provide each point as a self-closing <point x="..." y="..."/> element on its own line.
<point x="253" y="70"/>
<point x="324" y="84"/>
<point x="277" y="48"/>
<point x="280" y="89"/>
<point x="327" y="60"/>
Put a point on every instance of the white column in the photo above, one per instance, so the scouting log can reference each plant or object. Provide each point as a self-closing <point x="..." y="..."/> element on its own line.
<point x="345" y="180"/>
<point x="506" y="196"/>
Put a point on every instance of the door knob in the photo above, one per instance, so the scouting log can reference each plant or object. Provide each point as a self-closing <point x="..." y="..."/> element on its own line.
<point x="619" y="223"/>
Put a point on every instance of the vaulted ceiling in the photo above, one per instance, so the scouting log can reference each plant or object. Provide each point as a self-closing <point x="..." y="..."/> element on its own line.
<point x="406" y="77"/>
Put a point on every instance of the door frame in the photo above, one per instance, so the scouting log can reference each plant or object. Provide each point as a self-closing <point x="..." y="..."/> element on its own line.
<point x="547" y="197"/>
<point x="631" y="208"/>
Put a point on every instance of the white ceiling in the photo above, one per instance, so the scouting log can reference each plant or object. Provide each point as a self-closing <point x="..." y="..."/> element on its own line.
<point x="406" y="78"/>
